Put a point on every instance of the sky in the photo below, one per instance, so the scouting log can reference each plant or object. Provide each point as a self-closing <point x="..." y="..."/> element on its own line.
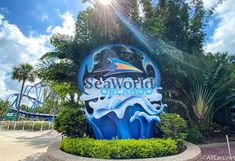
<point x="26" y="27"/>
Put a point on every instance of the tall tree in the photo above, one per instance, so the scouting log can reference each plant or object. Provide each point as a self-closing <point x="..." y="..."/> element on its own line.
<point x="22" y="73"/>
<point x="133" y="10"/>
<point x="147" y="8"/>
<point x="178" y="23"/>
<point x="183" y="23"/>
<point x="94" y="27"/>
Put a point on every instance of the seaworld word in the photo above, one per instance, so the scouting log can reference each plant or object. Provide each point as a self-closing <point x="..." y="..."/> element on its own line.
<point x="121" y="86"/>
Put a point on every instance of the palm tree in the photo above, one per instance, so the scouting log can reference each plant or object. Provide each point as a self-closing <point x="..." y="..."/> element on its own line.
<point x="202" y="85"/>
<point x="23" y="73"/>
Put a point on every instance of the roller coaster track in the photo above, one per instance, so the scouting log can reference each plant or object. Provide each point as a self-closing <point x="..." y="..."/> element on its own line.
<point x="33" y="97"/>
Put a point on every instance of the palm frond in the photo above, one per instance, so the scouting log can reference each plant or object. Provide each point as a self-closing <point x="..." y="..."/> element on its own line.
<point x="49" y="55"/>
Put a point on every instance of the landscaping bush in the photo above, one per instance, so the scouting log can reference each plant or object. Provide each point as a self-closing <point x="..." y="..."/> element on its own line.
<point x="71" y="121"/>
<point x="11" y="126"/>
<point x="46" y="126"/>
<point x="119" y="149"/>
<point x="27" y="126"/>
<point x="195" y="136"/>
<point x="174" y="127"/>
<point x="37" y="126"/>
<point x="4" y="125"/>
<point x="19" y="125"/>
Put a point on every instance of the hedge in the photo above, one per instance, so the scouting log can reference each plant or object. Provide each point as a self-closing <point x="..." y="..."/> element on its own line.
<point x="119" y="149"/>
<point x="31" y="126"/>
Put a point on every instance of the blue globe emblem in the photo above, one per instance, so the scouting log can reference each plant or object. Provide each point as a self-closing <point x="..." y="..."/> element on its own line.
<point x="120" y="87"/>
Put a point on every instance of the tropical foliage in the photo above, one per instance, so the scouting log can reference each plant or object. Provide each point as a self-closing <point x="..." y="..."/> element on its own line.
<point x="71" y="121"/>
<point x="174" y="127"/>
<point x="197" y="85"/>
<point x="195" y="136"/>
<point x="4" y="105"/>
<point x="204" y="87"/>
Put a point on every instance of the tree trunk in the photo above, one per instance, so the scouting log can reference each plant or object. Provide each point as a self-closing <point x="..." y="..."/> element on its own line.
<point x="18" y="106"/>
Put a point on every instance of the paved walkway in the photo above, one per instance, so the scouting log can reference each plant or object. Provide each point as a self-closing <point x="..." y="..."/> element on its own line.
<point x="30" y="146"/>
<point x="218" y="152"/>
<point x="24" y="145"/>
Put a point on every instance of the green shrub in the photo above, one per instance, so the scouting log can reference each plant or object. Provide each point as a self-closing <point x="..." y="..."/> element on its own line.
<point x="71" y="121"/>
<point x="4" y="125"/>
<point x="11" y="126"/>
<point x="46" y="126"/>
<point x="28" y="126"/>
<point x="174" y="127"/>
<point x="195" y="136"/>
<point x="19" y="126"/>
<point x="40" y="125"/>
<point x="37" y="126"/>
<point x="119" y="149"/>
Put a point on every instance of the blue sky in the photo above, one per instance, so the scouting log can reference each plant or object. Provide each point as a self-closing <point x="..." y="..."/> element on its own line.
<point x="37" y="15"/>
<point x="27" y="25"/>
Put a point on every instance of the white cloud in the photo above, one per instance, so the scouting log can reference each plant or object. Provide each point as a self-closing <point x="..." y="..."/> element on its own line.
<point x="68" y="25"/>
<point x="1" y="19"/>
<point x="223" y="38"/>
<point x="4" y="10"/>
<point x="209" y="3"/>
<point x="44" y="16"/>
<point x="16" y="48"/>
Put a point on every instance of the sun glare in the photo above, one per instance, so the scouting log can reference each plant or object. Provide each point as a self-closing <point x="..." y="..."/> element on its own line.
<point x="105" y="2"/>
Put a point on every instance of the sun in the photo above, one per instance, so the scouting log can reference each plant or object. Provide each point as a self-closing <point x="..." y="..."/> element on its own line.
<point x="105" y="2"/>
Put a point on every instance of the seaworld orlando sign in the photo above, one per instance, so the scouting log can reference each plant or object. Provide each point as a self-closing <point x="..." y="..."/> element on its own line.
<point x="120" y="87"/>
